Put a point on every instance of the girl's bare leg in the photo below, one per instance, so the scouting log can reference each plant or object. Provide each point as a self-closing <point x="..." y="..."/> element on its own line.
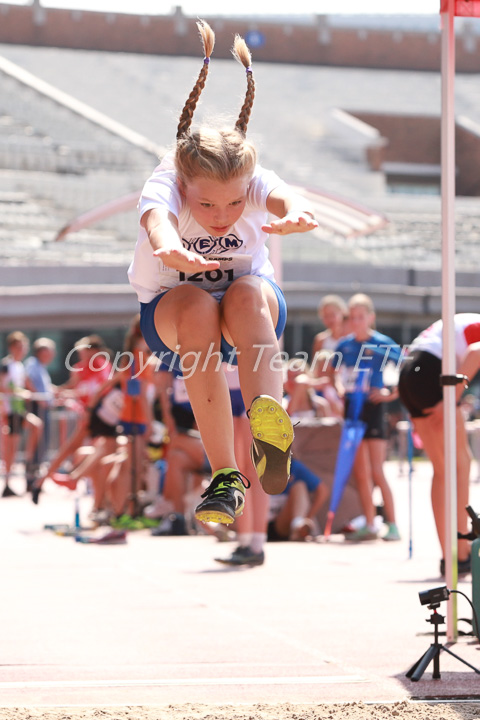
<point x="255" y="516"/>
<point x="11" y="443"/>
<point x="249" y="316"/>
<point x="189" y="318"/>
<point x="185" y="456"/>
<point x="430" y="430"/>
<point x="363" y="475"/>
<point x="464" y="459"/>
<point x="377" y="451"/>
<point x="34" y="427"/>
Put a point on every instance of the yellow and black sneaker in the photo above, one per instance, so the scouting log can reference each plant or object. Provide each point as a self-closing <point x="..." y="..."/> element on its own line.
<point x="224" y="498"/>
<point x="273" y="435"/>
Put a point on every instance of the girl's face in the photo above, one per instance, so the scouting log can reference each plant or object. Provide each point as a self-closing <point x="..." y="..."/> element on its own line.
<point x="331" y="316"/>
<point x="361" y="320"/>
<point x="216" y="205"/>
<point x="18" y="350"/>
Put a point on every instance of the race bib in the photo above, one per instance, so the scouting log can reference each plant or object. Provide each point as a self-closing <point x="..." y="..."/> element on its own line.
<point x="180" y="395"/>
<point x="231" y="268"/>
<point x="111" y="406"/>
<point x="355" y="379"/>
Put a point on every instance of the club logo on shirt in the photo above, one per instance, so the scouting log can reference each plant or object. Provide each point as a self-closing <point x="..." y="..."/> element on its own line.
<point x="209" y="244"/>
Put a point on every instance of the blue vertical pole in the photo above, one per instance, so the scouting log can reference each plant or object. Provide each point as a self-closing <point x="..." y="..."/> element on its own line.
<point x="410" y="494"/>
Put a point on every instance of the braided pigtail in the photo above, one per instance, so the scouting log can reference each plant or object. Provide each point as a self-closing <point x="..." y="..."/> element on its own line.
<point x="241" y="53"/>
<point x="208" y="40"/>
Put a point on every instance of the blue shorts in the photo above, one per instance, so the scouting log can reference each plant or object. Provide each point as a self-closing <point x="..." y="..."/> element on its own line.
<point x="301" y="473"/>
<point x="170" y="359"/>
<point x="133" y="428"/>
<point x="238" y="406"/>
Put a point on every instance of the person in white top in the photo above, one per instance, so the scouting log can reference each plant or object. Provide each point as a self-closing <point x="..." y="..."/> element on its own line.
<point x="333" y="312"/>
<point x="15" y="418"/>
<point x="204" y="281"/>
<point x="422" y="394"/>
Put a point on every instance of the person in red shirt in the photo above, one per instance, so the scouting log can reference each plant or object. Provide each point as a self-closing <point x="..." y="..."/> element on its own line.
<point x="86" y="376"/>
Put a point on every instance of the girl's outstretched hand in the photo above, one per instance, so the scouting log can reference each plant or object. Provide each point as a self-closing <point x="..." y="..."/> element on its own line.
<point x="293" y="222"/>
<point x="184" y="260"/>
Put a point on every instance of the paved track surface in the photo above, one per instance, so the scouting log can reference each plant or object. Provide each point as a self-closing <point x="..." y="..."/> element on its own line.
<point x="157" y="621"/>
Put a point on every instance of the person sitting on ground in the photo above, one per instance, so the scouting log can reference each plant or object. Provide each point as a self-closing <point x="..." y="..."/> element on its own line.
<point x="186" y="463"/>
<point x="301" y="399"/>
<point x="293" y="514"/>
<point x="103" y="432"/>
<point x="322" y="379"/>
<point x="134" y="378"/>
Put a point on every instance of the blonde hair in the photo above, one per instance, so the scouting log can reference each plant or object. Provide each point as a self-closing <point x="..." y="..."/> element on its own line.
<point x="334" y="300"/>
<point x="16" y="337"/>
<point x="43" y="343"/>
<point x="215" y="154"/>
<point x="362" y="300"/>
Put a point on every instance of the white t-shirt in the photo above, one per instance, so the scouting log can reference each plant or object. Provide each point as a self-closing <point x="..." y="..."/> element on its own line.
<point x="467" y="332"/>
<point x="241" y="252"/>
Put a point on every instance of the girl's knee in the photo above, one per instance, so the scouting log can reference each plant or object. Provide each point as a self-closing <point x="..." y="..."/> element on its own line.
<point x="245" y="290"/>
<point x="249" y="295"/>
<point x="196" y="310"/>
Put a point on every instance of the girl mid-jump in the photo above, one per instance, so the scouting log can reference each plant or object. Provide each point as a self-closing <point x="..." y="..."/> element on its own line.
<point x="207" y="289"/>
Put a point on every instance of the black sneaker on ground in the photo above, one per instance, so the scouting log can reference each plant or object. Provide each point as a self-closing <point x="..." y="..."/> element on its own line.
<point x="243" y="556"/>
<point x="464" y="566"/>
<point x="272" y="432"/>
<point x="173" y="524"/>
<point x="224" y="498"/>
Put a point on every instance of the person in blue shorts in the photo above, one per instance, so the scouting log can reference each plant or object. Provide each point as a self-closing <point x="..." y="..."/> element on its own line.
<point x="293" y="513"/>
<point x="206" y="287"/>
<point x="367" y="351"/>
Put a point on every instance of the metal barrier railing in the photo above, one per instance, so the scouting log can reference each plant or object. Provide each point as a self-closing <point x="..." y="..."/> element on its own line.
<point x="60" y="422"/>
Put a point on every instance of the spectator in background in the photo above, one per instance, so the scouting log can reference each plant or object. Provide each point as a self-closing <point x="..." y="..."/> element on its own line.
<point x="323" y="374"/>
<point x="135" y="380"/>
<point x="43" y="353"/>
<point x="422" y="394"/>
<point x="366" y="351"/>
<point x="251" y="527"/>
<point x="333" y="312"/>
<point x="86" y="376"/>
<point x="293" y="514"/>
<point x="309" y="396"/>
<point x="15" y="388"/>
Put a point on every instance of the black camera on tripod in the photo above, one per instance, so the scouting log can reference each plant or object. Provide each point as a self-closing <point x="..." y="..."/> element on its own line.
<point x="434" y="596"/>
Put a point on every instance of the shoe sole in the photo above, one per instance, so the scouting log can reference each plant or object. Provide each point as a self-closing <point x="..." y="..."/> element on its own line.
<point x="240" y="562"/>
<point x="245" y="563"/>
<point x="272" y="431"/>
<point x="214" y="516"/>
